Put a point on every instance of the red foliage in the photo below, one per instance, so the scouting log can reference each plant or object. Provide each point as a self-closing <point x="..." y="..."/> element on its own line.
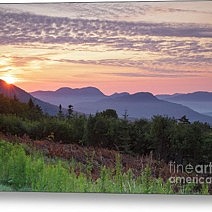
<point x="95" y="155"/>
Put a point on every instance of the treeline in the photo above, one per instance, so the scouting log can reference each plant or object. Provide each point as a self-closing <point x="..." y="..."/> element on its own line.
<point x="166" y="138"/>
<point x="14" y="106"/>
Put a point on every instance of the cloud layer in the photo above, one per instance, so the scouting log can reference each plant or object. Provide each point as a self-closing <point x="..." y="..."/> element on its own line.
<point x="154" y="49"/>
<point x="25" y="27"/>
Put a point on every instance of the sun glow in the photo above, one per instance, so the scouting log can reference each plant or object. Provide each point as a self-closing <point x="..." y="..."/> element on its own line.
<point x="9" y="79"/>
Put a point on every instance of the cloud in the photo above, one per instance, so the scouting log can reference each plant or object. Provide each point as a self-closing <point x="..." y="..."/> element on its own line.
<point x="145" y="68"/>
<point x="169" y="39"/>
<point x="171" y="10"/>
<point x="23" y="28"/>
<point x="24" y="61"/>
<point x="166" y="44"/>
<point x="140" y="75"/>
<point x="3" y="71"/>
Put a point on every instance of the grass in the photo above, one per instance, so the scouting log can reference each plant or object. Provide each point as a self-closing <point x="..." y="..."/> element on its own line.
<point x="5" y="188"/>
<point x="20" y="171"/>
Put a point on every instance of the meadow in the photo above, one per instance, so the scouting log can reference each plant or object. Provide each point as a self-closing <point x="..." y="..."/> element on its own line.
<point x="35" y="172"/>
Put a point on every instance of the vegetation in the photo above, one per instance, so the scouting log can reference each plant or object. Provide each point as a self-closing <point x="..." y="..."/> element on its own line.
<point x="22" y="172"/>
<point x="166" y="139"/>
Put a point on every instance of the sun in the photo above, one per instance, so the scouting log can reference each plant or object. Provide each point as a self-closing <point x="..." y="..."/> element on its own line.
<point x="9" y="79"/>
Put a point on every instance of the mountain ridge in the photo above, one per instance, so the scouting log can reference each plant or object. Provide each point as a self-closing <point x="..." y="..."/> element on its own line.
<point x="68" y="91"/>
<point x="200" y="101"/>
<point x="138" y="105"/>
<point x="194" y="96"/>
<point x="143" y="109"/>
<point x="11" y="91"/>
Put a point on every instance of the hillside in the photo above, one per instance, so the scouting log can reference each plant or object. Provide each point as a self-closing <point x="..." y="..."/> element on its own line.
<point x="199" y="101"/>
<point x="12" y="91"/>
<point x="91" y="170"/>
<point x="102" y="156"/>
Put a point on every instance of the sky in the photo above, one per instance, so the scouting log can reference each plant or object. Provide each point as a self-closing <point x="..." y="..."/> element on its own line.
<point x="159" y="47"/>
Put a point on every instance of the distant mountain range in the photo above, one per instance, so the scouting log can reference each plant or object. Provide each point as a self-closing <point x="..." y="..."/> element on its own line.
<point x="90" y="100"/>
<point x="66" y="96"/>
<point x="10" y="91"/>
<point x="200" y="101"/>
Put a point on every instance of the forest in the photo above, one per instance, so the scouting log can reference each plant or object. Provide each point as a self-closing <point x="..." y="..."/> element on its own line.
<point x="163" y="139"/>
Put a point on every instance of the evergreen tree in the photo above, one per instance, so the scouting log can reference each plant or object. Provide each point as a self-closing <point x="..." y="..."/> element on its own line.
<point x="60" y="112"/>
<point x="31" y="103"/>
<point x="125" y="115"/>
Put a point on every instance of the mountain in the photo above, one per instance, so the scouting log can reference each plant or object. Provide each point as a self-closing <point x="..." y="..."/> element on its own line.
<point x="90" y="100"/>
<point x="137" y="97"/>
<point x="10" y="91"/>
<point x="208" y="114"/>
<point x="196" y="96"/>
<point x="165" y="96"/>
<point x="87" y="91"/>
<point x="66" y="96"/>
<point x="199" y="101"/>
<point x="119" y="94"/>
<point x="142" y="105"/>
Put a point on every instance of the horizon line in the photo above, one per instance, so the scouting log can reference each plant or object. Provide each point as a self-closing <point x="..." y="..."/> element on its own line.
<point x="108" y="94"/>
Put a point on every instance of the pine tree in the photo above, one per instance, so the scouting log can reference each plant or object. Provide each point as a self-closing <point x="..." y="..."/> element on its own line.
<point x="125" y="115"/>
<point x="31" y="104"/>
<point x="60" y="112"/>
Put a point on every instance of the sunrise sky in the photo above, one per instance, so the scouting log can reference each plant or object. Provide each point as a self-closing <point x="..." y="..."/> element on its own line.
<point x="159" y="47"/>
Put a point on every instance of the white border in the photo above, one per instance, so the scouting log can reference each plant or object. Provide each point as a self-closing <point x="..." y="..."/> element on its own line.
<point x="43" y="1"/>
<point x="54" y="202"/>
